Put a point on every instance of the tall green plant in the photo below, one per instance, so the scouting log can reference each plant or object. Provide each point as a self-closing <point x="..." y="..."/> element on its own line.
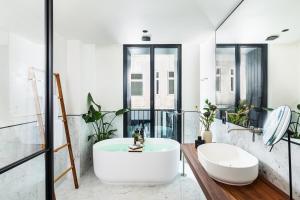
<point x="100" y="121"/>
<point x="208" y="115"/>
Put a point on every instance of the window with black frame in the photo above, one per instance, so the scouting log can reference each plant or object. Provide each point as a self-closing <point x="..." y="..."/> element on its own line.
<point x="241" y="83"/>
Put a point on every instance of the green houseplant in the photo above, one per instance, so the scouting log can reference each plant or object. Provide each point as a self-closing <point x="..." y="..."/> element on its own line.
<point x="100" y="121"/>
<point x="207" y="117"/>
<point x="241" y="114"/>
<point x="295" y="122"/>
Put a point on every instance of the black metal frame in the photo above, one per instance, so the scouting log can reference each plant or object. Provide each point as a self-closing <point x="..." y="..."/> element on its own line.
<point x="237" y="47"/>
<point x="49" y="157"/>
<point x="290" y="165"/>
<point x="126" y="99"/>
<point x="48" y="150"/>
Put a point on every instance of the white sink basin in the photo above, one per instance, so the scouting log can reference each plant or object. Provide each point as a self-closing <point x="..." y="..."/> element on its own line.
<point x="228" y="164"/>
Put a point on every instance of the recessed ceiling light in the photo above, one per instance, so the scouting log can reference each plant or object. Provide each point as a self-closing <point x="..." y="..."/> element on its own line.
<point x="146" y="36"/>
<point x="272" y="37"/>
<point x="285" y="30"/>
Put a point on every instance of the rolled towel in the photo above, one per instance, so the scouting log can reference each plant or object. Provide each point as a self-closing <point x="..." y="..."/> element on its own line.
<point x="136" y="150"/>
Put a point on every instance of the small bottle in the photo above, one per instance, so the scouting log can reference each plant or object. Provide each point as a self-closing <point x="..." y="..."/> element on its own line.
<point x="136" y="136"/>
<point x="142" y="135"/>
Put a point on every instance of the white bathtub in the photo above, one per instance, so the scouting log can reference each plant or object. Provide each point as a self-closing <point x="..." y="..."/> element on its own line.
<point x="158" y="164"/>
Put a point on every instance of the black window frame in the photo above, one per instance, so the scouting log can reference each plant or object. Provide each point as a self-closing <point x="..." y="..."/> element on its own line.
<point x="264" y="61"/>
<point x="126" y="100"/>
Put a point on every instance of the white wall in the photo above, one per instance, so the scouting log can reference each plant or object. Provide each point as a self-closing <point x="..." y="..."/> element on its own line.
<point x="190" y="76"/>
<point x="207" y="70"/>
<point x="109" y="85"/>
<point x="283" y="75"/>
<point x="4" y="87"/>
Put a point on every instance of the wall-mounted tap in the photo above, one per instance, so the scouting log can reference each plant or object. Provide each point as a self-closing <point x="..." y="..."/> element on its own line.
<point x="252" y="129"/>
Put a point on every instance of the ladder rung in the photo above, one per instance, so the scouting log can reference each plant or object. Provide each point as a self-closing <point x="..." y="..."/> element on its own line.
<point x="61" y="147"/>
<point x="62" y="174"/>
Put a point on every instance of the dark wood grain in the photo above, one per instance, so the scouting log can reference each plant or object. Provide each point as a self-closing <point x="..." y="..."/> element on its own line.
<point x="260" y="189"/>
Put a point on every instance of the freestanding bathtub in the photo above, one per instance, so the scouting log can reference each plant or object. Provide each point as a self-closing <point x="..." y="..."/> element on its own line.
<point x="157" y="164"/>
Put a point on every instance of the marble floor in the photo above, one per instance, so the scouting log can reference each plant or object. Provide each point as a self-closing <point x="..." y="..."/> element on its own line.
<point x="182" y="188"/>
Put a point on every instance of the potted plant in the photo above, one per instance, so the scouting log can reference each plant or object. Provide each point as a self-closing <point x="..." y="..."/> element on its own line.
<point x="207" y="117"/>
<point x="241" y="115"/>
<point x="100" y="121"/>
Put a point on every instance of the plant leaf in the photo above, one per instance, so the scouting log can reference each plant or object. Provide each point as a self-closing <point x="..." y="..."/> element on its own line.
<point x="122" y="111"/>
<point x="90" y="100"/>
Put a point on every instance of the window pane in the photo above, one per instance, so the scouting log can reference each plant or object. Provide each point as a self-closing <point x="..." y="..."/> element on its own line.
<point x="157" y="74"/>
<point x="137" y="88"/>
<point x="218" y="83"/>
<point x="137" y="76"/>
<point x="157" y="86"/>
<point x="225" y="66"/>
<point x="171" y="74"/>
<point x="22" y="80"/>
<point x="138" y="59"/>
<point x="171" y="86"/>
<point x="232" y="84"/>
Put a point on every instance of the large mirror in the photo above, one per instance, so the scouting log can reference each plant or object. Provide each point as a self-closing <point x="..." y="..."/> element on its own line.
<point x="258" y="62"/>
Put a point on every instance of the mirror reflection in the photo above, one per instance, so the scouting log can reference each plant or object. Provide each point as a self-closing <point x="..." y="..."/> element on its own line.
<point x="258" y="63"/>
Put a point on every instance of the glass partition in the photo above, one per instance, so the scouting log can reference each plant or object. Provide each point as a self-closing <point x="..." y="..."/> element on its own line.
<point x="22" y="99"/>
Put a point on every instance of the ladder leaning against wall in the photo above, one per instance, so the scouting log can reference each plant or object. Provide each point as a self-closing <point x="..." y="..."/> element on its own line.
<point x="32" y="78"/>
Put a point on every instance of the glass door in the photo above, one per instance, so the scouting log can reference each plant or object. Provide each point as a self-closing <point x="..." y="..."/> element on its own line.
<point x="166" y="92"/>
<point x="137" y="87"/>
<point x="152" y="90"/>
<point x="25" y="100"/>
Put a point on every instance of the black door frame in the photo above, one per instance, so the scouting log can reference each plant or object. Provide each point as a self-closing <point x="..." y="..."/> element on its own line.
<point x="48" y="150"/>
<point x="264" y="61"/>
<point x="126" y="97"/>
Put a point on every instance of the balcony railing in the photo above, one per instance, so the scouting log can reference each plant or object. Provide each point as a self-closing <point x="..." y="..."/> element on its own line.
<point x="165" y="123"/>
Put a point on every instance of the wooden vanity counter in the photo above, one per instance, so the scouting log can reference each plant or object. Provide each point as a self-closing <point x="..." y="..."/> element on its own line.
<point x="260" y="189"/>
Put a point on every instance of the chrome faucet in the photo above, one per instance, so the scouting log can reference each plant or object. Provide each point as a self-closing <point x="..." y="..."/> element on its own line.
<point x="252" y="129"/>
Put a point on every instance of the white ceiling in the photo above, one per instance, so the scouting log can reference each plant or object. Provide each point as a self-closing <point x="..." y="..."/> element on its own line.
<point x="118" y="21"/>
<point x="122" y="21"/>
<point x="217" y="11"/>
<point x="255" y="20"/>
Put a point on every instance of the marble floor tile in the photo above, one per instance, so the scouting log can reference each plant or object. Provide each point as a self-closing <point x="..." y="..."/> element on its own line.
<point x="91" y="188"/>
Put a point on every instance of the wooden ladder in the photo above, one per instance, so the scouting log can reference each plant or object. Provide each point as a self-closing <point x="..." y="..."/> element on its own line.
<point x="32" y="77"/>
<point x="68" y="138"/>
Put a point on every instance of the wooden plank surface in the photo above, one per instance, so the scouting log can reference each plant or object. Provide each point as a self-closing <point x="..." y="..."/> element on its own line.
<point x="210" y="188"/>
<point x="260" y="189"/>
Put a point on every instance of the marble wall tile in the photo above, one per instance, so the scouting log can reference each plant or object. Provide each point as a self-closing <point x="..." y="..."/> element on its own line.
<point x="26" y="182"/>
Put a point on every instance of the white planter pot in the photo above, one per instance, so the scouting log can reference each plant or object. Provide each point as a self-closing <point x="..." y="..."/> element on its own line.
<point x="206" y="136"/>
